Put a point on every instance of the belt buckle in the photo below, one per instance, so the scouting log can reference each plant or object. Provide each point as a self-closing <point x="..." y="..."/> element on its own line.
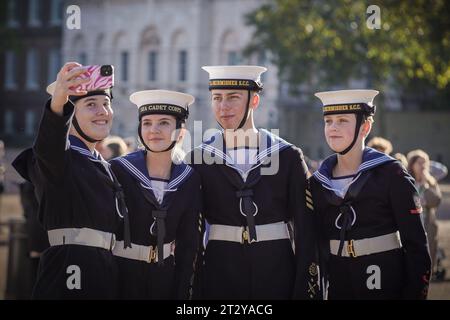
<point x="152" y="254"/>
<point x="351" y="249"/>
<point x="245" y="236"/>
<point x="112" y="245"/>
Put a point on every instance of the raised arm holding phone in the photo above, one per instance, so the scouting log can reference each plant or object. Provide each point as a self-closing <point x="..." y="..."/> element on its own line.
<point x="80" y="201"/>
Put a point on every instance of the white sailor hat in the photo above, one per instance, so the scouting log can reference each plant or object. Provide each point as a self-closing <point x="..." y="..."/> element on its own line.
<point x="235" y="77"/>
<point x="348" y="101"/>
<point x="106" y="92"/>
<point x="162" y="102"/>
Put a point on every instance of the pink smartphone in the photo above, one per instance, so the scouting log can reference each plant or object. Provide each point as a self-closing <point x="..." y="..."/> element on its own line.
<point x="102" y="77"/>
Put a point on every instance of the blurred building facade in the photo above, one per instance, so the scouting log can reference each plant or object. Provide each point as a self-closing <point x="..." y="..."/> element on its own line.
<point x="31" y="40"/>
<point x="162" y="44"/>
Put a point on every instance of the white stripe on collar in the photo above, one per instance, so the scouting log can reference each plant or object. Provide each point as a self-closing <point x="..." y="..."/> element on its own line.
<point x="83" y="151"/>
<point x="367" y="165"/>
<point x="227" y="159"/>
<point x="373" y="163"/>
<point x="145" y="182"/>
<point x="216" y="151"/>
<point x="178" y="180"/>
<point x="135" y="171"/>
<point x="278" y="144"/>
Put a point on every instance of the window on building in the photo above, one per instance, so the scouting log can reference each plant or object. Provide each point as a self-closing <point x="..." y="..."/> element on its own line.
<point x="32" y="82"/>
<point x="12" y="14"/>
<point x="82" y="58"/>
<point x="10" y="70"/>
<point x="54" y="64"/>
<point x="34" y="17"/>
<point x="182" y="65"/>
<point x="56" y="12"/>
<point x="9" y="122"/>
<point x="30" y="121"/>
<point x="233" y="58"/>
<point x="152" y="65"/>
<point x="124" y="57"/>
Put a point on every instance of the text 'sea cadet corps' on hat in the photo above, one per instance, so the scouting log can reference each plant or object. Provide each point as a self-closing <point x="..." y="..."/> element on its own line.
<point x="359" y="102"/>
<point x="106" y="92"/>
<point x="162" y="102"/>
<point x="236" y="77"/>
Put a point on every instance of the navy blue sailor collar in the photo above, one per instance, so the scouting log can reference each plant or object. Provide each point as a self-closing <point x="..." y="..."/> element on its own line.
<point x="371" y="158"/>
<point x="78" y="145"/>
<point x="269" y="145"/>
<point x="135" y="164"/>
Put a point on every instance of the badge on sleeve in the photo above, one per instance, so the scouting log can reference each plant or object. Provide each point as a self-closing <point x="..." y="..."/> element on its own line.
<point x="418" y="206"/>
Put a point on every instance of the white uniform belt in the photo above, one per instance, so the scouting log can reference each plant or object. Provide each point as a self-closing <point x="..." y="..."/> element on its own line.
<point x="362" y="247"/>
<point x="83" y="237"/>
<point x="148" y="254"/>
<point x="264" y="232"/>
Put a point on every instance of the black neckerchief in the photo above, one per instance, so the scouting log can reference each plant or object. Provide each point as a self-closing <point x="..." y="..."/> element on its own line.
<point x="345" y="203"/>
<point x="160" y="214"/>
<point x="245" y="194"/>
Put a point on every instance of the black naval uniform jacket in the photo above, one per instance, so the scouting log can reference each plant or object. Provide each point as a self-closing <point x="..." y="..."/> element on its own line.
<point x="387" y="202"/>
<point x="266" y="269"/>
<point x="72" y="193"/>
<point x="171" y="280"/>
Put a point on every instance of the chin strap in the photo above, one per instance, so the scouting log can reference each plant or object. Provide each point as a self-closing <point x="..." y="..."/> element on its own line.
<point x="244" y="119"/>
<point x="81" y="133"/>
<point x="76" y="125"/>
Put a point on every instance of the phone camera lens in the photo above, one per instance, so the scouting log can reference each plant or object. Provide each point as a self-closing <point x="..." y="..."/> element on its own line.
<point x="106" y="70"/>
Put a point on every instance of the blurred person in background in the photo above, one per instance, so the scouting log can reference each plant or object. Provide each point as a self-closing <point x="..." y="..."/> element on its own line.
<point x="438" y="170"/>
<point x="112" y="147"/>
<point x="380" y="144"/>
<point x="430" y="196"/>
<point x="2" y="168"/>
<point x="402" y="158"/>
<point x="131" y="143"/>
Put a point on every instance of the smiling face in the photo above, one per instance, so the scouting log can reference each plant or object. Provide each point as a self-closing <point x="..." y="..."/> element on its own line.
<point x="157" y="129"/>
<point x="229" y="107"/>
<point x="94" y="115"/>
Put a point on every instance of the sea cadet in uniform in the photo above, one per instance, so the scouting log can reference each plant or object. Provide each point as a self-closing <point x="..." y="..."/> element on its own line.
<point x="162" y="194"/>
<point x="253" y="187"/>
<point x="373" y="244"/>
<point x="80" y="201"/>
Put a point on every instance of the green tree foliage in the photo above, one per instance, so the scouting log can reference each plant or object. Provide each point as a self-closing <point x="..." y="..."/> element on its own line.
<point x="326" y="43"/>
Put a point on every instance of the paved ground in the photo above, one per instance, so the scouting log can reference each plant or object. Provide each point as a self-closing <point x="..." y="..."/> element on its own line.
<point x="10" y="208"/>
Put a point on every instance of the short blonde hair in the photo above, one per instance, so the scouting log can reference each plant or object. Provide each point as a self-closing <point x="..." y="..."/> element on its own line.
<point x="402" y="158"/>
<point x="415" y="155"/>
<point x="380" y="144"/>
<point x="116" y="144"/>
